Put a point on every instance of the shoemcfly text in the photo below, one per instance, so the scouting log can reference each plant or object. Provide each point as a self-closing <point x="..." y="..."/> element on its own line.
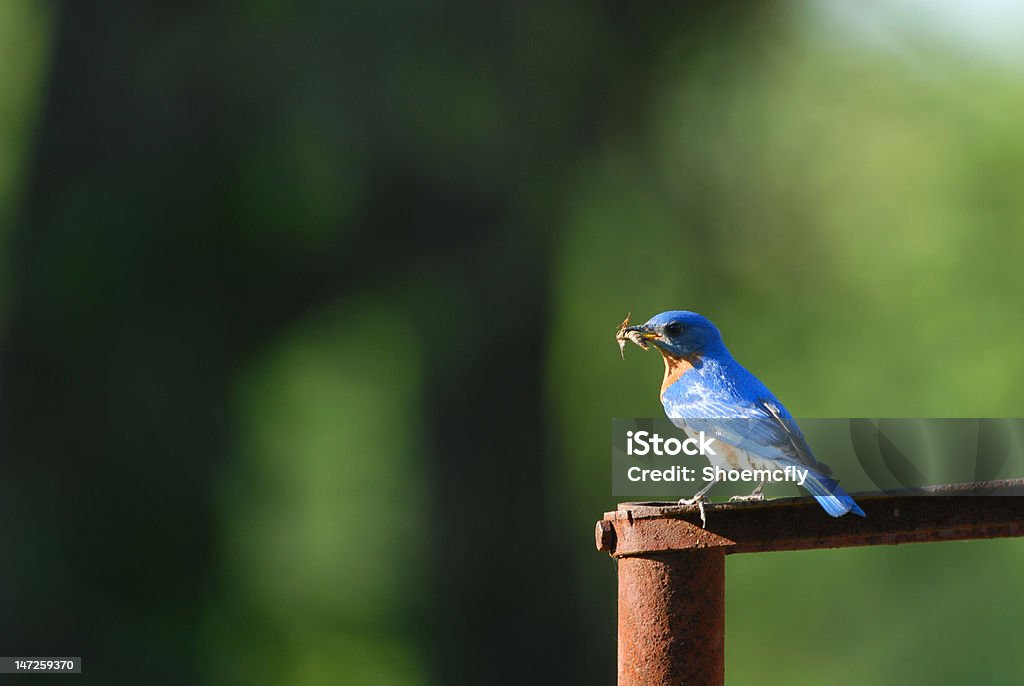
<point x="794" y="474"/>
<point x="656" y="445"/>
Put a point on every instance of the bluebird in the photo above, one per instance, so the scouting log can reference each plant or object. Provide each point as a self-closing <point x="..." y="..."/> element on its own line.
<point x="704" y="386"/>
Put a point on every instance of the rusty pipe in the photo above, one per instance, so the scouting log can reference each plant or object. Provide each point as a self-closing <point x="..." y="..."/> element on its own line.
<point x="672" y="619"/>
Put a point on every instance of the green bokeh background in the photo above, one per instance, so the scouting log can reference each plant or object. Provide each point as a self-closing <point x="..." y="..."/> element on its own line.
<point x="307" y="315"/>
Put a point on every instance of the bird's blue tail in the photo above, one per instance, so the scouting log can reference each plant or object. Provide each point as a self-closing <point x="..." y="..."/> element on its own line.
<point x="830" y="496"/>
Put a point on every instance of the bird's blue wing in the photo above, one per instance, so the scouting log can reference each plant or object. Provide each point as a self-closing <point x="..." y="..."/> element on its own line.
<point x="728" y="402"/>
<point x="761" y="426"/>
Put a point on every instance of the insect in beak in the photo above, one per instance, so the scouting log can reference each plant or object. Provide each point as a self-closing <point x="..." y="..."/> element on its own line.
<point x="638" y="335"/>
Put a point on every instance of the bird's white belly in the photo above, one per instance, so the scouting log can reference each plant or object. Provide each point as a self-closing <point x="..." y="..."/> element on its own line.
<point x="728" y="456"/>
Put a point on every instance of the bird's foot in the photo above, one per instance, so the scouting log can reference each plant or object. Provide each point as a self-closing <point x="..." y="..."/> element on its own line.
<point x="758" y="494"/>
<point x="699" y="501"/>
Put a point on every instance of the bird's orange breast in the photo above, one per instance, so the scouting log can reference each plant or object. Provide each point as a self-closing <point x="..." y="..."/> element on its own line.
<point x="675" y="367"/>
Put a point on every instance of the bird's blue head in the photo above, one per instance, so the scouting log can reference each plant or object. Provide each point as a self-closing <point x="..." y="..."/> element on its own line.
<point x="681" y="334"/>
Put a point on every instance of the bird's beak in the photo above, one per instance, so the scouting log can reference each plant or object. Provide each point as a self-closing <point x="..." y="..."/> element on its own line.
<point x="644" y="332"/>
<point x="639" y="335"/>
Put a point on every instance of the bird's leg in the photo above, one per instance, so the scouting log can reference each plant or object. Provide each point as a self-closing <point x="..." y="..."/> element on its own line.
<point x="698" y="500"/>
<point x="756" y="495"/>
<point x="698" y="496"/>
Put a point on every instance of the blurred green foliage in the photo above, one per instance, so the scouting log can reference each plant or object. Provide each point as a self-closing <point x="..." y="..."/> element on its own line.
<point x="313" y="313"/>
<point x="313" y="397"/>
<point x="25" y="28"/>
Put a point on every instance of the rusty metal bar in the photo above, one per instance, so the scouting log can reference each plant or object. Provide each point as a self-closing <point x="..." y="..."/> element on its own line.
<point x="672" y="619"/>
<point x="672" y="569"/>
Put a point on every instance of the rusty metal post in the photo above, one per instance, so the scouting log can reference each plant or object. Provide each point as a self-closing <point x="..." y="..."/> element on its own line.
<point x="672" y="565"/>
<point x="672" y="619"/>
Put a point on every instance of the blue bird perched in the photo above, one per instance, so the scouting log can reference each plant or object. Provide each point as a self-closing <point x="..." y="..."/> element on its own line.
<point x="705" y="389"/>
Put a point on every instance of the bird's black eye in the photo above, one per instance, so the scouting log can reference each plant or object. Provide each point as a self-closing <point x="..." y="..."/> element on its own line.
<point x="673" y="329"/>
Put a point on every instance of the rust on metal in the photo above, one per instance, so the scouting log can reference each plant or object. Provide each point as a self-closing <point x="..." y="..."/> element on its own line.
<point x="672" y="570"/>
<point x="940" y="513"/>
<point x="604" y="535"/>
<point x="672" y="619"/>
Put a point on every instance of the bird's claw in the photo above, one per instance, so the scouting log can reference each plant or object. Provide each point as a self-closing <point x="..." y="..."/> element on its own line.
<point x="757" y="495"/>
<point x="699" y="502"/>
